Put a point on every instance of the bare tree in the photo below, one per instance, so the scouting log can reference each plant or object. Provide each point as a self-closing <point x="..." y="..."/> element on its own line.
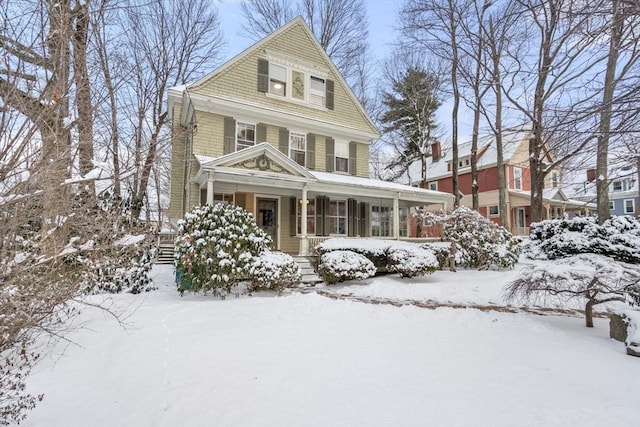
<point x="170" y="44"/>
<point x="340" y="26"/>
<point x="436" y="25"/>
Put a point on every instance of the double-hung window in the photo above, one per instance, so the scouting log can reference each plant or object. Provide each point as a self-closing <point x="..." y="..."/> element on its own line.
<point x="342" y="156"/>
<point x="629" y="206"/>
<point x="493" y="210"/>
<point x="317" y="91"/>
<point x="277" y="80"/>
<point x="337" y="216"/>
<point x="311" y="216"/>
<point x="617" y="185"/>
<point x="517" y="178"/>
<point x="245" y="136"/>
<point x="298" y="147"/>
<point x="380" y="221"/>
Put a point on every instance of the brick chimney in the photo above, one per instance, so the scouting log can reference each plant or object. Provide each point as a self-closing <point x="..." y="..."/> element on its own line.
<point x="436" y="151"/>
<point x="591" y="175"/>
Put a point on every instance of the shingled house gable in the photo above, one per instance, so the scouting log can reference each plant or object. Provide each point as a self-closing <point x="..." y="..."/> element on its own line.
<point x="239" y="78"/>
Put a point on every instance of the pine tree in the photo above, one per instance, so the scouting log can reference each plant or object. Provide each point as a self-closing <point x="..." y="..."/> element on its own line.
<point x="410" y="111"/>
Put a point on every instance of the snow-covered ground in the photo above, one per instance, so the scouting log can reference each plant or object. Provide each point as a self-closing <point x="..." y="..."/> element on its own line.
<point x="308" y="360"/>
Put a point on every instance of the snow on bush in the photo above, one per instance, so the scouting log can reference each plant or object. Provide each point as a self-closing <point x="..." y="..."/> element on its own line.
<point x="275" y="271"/>
<point x="480" y="242"/>
<point x="412" y="261"/>
<point x="374" y="249"/>
<point x="593" y="279"/>
<point x="338" y="266"/>
<point x="617" y="238"/>
<point x="215" y="247"/>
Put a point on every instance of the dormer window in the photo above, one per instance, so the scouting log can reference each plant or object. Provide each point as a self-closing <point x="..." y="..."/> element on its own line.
<point x="464" y="162"/>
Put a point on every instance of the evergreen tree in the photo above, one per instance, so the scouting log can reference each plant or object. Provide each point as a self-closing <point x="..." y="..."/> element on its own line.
<point x="410" y="118"/>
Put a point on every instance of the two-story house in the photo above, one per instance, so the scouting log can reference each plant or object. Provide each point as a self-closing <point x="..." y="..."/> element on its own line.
<point x="518" y="180"/>
<point x="277" y="131"/>
<point x="624" y="198"/>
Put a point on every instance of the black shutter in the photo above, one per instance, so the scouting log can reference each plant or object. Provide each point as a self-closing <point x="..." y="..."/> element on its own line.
<point x="229" y="135"/>
<point x="263" y="75"/>
<point x="283" y="142"/>
<point x="364" y="219"/>
<point x="327" y="223"/>
<point x="261" y="133"/>
<point x="352" y="217"/>
<point x="319" y="216"/>
<point x="330" y="149"/>
<point x="293" y="215"/>
<point x="353" y="150"/>
<point x="311" y="151"/>
<point x="329" y="97"/>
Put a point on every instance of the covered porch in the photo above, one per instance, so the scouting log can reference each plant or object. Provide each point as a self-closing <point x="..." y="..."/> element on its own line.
<point x="299" y="208"/>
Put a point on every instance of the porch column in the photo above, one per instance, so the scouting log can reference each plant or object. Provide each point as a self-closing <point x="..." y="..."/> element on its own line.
<point x="210" y="189"/>
<point x="396" y="216"/>
<point x="304" y="244"/>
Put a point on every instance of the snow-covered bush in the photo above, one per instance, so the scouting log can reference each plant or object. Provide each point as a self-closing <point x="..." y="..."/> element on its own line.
<point x="215" y="247"/>
<point x="480" y="242"/>
<point x="592" y="279"/>
<point x="338" y="266"/>
<point x="411" y="261"/>
<point x="375" y="250"/>
<point x="275" y="271"/>
<point x="617" y="238"/>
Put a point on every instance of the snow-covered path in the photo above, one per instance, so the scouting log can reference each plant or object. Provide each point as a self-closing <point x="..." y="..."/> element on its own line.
<point x="306" y="360"/>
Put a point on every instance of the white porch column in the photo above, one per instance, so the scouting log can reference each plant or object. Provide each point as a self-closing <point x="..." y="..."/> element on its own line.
<point x="210" y="189"/>
<point x="396" y="216"/>
<point x="303" y="223"/>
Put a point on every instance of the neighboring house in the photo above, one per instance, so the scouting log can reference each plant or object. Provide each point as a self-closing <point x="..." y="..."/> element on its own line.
<point x="518" y="180"/>
<point x="277" y="131"/>
<point x="624" y="198"/>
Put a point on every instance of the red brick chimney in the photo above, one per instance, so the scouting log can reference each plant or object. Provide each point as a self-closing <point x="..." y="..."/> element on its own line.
<point x="436" y="151"/>
<point x="591" y="175"/>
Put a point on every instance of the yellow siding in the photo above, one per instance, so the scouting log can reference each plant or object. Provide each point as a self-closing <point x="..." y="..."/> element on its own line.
<point x="362" y="160"/>
<point x="209" y="138"/>
<point x="240" y="81"/>
<point x="177" y="166"/>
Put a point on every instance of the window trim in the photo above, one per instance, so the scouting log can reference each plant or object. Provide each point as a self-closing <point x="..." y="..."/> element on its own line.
<point x="346" y="217"/>
<point x="336" y="157"/>
<point x="612" y="205"/>
<point x="613" y="185"/>
<point x="388" y="210"/>
<point x="517" y="178"/>
<point x="555" y="182"/>
<point x="633" y="206"/>
<point x="303" y="151"/>
<point x="435" y="184"/>
<point x="255" y="129"/>
<point x="493" y="214"/>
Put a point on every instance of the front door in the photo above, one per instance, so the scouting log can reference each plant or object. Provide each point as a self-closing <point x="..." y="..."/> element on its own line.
<point x="267" y="218"/>
<point x="520" y="218"/>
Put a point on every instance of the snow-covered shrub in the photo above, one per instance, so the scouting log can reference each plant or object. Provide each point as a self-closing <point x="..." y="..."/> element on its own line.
<point x="275" y="271"/>
<point x="617" y="238"/>
<point x="592" y="279"/>
<point x="338" y="266"/>
<point x="215" y="247"/>
<point x="411" y="261"/>
<point x="480" y="242"/>
<point x="373" y="249"/>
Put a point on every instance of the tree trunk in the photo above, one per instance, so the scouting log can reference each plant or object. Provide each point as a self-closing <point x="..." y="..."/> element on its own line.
<point x="454" y="112"/>
<point x="83" y="95"/>
<point x="588" y="314"/>
<point x="602" y="156"/>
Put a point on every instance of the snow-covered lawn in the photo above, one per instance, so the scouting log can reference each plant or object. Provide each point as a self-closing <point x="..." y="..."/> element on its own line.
<point x="307" y="360"/>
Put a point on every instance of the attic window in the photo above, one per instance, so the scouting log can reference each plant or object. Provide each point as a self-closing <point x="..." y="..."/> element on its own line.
<point x="277" y="80"/>
<point x="317" y="91"/>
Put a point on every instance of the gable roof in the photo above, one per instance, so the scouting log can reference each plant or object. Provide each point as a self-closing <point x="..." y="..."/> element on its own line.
<point x="184" y="93"/>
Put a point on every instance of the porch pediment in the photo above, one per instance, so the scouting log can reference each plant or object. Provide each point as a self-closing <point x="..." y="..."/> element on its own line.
<point x="262" y="157"/>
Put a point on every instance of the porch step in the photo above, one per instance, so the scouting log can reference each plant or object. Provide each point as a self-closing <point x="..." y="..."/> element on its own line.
<point x="309" y="275"/>
<point x="165" y="253"/>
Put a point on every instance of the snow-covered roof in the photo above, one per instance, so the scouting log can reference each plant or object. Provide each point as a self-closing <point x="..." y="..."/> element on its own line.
<point x="487" y="154"/>
<point x="587" y="189"/>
